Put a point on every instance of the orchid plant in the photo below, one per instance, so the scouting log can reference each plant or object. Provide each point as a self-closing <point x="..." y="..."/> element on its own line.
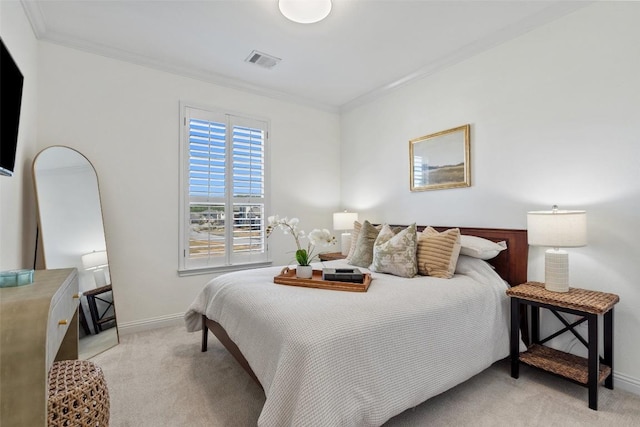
<point x="317" y="237"/>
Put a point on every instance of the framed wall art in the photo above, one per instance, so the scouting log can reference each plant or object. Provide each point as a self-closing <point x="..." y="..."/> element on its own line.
<point x="440" y="160"/>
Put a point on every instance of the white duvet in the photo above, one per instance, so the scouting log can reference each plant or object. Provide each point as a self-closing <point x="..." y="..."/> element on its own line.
<point x="332" y="358"/>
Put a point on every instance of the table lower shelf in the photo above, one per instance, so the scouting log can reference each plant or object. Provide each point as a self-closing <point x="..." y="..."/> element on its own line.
<point x="106" y="320"/>
<point x="567" y="365"/>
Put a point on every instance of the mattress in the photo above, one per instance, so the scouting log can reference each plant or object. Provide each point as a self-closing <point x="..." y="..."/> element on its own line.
<point x="332" y="358"/>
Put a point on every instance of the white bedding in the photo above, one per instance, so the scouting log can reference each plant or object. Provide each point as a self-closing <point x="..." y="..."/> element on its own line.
<point x="332" y="358"/>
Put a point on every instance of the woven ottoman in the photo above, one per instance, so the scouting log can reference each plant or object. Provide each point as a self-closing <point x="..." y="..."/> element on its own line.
<point x="77" y="395"/>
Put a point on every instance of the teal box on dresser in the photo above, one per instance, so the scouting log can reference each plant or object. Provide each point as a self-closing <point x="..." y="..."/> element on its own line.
<point x="13" y="278"/>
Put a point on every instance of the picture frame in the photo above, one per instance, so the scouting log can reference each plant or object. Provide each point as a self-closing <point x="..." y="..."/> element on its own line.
<point x="440" y="160"/>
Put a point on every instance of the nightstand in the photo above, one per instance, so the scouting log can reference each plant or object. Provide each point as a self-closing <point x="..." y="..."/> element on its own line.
<point x="589" y="372"/>
<point x="97" y="318"/>
<point x="331" y="256"/>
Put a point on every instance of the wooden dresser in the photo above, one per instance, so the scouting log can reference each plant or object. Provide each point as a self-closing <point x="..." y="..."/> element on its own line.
<point x="38" y="325"/>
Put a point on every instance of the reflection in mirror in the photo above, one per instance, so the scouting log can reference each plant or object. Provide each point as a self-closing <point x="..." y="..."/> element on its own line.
<point x="72" y="235"/>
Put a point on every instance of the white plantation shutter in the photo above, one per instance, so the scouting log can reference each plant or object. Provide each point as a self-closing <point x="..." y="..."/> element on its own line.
<point x="224" y="190"/>
<point x="207" y="154"/>
<point x="248" y="190"/>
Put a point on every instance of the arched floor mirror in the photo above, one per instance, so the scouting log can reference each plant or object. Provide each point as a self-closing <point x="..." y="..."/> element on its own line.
<point x="72" y="235"/>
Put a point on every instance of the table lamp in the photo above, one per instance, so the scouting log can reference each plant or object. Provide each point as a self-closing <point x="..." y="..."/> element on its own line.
<point x="557" y="229"/>
<point x="344" y="221"/>
<point x="96" y="261"/>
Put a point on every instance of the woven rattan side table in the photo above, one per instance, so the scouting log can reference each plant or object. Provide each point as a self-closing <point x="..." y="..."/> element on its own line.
<point x="589" y="305"/>
<point x="77" y="395"/>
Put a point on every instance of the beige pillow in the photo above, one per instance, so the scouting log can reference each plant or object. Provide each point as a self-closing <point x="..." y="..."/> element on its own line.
<point x="363" y="252"/>
<point x="438" y="252"/>
<point x="394" y="252"/>
<point x="354" y="238"/>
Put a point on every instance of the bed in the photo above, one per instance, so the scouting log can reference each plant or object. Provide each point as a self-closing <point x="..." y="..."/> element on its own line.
<point x="335" y="358"/>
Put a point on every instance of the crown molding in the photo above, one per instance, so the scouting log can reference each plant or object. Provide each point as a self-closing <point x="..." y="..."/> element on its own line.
<point x="38" y="23"/>
<point x="181" y="70"/>
<point x="505" y="35"/>
<point x="35" y="17"/>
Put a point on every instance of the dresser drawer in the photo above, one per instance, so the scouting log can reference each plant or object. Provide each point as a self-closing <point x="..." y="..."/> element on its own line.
<point x="63" y="307"/>
<point x="31" y="339"/>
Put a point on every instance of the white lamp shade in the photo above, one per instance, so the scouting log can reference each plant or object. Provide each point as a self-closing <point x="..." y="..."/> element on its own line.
<point x="344" y="220"/>
<point x="95" y="259"/>
<point x="557" y="229"/>
<point x="305" y="11"/>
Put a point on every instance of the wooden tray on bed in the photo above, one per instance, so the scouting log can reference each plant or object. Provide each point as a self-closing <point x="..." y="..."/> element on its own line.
<point x="288" y="277"/>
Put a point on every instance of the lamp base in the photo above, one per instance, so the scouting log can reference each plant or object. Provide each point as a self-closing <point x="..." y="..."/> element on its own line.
<point x="556" y="270"/>
<point x="345" y="243"/>
<point x="99" y="277"/>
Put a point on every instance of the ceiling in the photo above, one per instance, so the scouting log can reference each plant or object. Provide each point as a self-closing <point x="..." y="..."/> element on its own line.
<point x="361" y="50"/>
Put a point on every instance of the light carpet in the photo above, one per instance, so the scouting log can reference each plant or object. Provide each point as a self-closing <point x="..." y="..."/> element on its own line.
<point x="161" y="378"/>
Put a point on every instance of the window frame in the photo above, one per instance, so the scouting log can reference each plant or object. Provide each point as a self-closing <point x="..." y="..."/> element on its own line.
<point x="185" y="267"/>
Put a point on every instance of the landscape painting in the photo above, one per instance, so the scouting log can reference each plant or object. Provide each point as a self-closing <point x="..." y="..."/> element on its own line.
<point x="440" y="160"/>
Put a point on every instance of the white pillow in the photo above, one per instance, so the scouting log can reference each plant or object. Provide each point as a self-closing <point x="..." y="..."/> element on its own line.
<point x="477" y="247"/>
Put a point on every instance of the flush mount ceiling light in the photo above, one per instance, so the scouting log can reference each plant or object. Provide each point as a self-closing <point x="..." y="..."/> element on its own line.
<point x="305" y="11"/>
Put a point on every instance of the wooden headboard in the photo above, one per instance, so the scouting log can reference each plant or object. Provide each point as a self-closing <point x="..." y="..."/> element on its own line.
<point x="510" y="264"/>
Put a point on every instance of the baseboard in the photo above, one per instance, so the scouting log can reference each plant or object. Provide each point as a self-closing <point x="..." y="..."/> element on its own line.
<point x="626" y="383"/>
<point x="126" y="328"/>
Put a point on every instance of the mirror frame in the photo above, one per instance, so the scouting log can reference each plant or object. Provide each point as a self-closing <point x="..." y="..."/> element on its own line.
<point x="41" y="250"/>
<point x="456" y="143"/>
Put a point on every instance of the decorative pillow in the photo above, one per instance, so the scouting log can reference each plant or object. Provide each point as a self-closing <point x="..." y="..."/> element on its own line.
<point x="438" y="252"/>
<point x="354" y="238"/>
<point x="477" y="247"/>
<point x="394" y="252"/>
<point x="363" y="251"/>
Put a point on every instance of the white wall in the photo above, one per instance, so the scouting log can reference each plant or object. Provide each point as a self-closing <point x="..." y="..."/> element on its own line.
<point x="554" y="119"/>
<point x="17" y="203"/>
<point x="125" y="119"/>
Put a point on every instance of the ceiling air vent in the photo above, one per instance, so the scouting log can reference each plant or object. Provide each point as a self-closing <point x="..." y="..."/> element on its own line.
<point x="262" y="59"/>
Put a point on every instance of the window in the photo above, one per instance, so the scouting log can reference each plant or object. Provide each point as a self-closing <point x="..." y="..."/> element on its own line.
<point x="223" y="191"/>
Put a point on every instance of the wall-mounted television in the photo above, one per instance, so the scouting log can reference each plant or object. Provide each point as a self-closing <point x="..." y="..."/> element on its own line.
<point x="11" y="81"/>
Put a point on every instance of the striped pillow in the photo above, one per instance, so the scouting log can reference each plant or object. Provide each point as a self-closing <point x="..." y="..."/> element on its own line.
<point x="438" y="252"/>
<point x="354" y="238"/>
<point x="363" y="254"/>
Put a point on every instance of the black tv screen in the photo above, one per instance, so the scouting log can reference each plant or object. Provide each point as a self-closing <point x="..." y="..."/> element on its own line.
<point x="11" y="80"/>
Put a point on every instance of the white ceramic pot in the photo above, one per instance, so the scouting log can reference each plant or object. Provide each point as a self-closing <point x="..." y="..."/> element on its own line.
<point x="304" y="272"/>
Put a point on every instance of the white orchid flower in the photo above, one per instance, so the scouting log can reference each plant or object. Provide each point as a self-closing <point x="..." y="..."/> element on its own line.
<point x="317" y="237"/>
<point x="321" y="237"/>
